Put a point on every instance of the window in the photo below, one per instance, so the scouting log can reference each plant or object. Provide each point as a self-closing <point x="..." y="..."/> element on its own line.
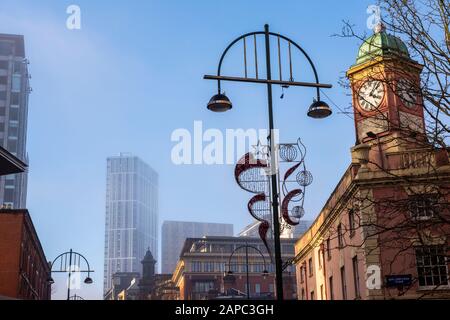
<point x="271" y="290"/>
<point x="4" y="64"/>
<point x="302" y="278"/>
<point x="310" y="267"/>
<point x="356" y="276"/>
<point x="340" y="236"/>
<point x="8" y="196"/>
<point x="330" y="285"/>
<point x="9" y="181"/>
<point x="220" y="266"/>
<point x="257" y="288"/>
<point x="14" y="113"/>
<point x="422" y="206"/>
<point x="196" y="266"/>
<point x="15" y="98"/>
<point x="321" y="292"/>
<point x="343" y="284"/>
<point x="209" y="266"/>
<point x="6" y="48"/>
<point x="312" y="295"/>
<point x="351" y="222"/>
<point x="16" y="81"/>
<point x="329" y="248"/>
<point x="17" y="67"/>
<point x="234" y="267"/>
<point x="303" y="294"/>
<point x="319" y="259"/>
<point x="3" y="80"/>
<point x="431" y="266"/>
<point x="12" y="146"/>
<point x="203" y="286"/>
<point x="12" y="131"/>
<point x="2" y="95"/>
<point x="287" y="248"/>
<point x="258" y="267"/>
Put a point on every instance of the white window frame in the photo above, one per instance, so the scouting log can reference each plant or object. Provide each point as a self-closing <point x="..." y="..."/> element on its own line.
<point x="446" y="262"/>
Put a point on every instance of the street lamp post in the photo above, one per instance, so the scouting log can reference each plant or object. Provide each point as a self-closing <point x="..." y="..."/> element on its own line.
<point x="247" y="246"/>
<point x="318" y="109"/>
<point x="70" y="262"/>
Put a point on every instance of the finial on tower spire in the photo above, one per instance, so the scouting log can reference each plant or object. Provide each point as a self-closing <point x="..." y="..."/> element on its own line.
<point x="379" y="27"/>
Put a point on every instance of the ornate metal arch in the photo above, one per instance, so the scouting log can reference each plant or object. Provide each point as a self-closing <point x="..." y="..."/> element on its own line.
<point x="290" y="42"/>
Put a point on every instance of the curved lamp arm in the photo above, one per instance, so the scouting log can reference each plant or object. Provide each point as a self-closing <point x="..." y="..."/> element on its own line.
<point x="316" y="76"/>
<point x="76" y="254"/>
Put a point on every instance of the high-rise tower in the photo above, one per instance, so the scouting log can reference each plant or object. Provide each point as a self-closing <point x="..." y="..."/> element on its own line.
<point x="14" y="91"/>
<point x="131" y="215"/>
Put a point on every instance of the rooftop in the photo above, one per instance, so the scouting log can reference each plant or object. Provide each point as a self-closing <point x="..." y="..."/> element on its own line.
<point x="381" y="44"/>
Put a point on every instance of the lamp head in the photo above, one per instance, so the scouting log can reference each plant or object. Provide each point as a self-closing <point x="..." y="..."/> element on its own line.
<point x="88" y="280"/>
<point x="219" y="103"/>
<point x="50" y="280"/>
<point x="319" y="110"/>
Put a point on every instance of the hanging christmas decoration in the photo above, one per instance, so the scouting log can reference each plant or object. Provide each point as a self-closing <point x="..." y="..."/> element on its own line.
<point x="294" y="198"/>
<point x="284" y="206"/>
<point x="250" y="175"/>
<point x="297" y="212"/>
<point x="288" y="152"/>
<point x="304" y="178"/>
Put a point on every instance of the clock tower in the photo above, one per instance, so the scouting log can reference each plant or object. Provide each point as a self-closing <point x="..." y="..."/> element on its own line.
<point x="385" y="85"/>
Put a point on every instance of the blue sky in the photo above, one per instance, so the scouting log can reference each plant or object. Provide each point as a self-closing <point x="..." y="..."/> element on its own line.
<point x="133" y="74"/>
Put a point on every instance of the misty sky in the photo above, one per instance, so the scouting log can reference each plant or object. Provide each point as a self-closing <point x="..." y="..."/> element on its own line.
<point x="133" y="74"/>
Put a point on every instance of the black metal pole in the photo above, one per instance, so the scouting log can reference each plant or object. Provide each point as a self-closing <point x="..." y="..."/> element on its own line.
<point x="274" y="187"/>
<point x="70" y="273"/>
<point x="246" y="263"/>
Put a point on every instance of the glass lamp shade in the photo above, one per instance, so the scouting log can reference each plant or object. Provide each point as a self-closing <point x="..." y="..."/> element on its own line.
<point x="219" y="103"/>
<point x="319" y="110"/>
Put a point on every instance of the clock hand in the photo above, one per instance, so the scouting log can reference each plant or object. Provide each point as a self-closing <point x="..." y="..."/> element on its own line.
<point x="373" y="89"/>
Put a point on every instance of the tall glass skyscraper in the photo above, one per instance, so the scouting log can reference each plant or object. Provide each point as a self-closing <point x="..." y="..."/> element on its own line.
<point x="14" y="91"/>
<point x="131" y="224"/>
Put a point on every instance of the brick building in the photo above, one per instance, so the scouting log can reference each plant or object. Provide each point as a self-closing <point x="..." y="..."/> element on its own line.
<point x="208" y="269"/>
<point x="384" y="231"/>
<point x="24" y="270"/>
<point x="149" y="286"/>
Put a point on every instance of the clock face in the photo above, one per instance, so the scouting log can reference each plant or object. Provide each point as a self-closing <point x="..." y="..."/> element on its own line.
<point x="370" y="95"/>
<point x="407" y="92"/>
